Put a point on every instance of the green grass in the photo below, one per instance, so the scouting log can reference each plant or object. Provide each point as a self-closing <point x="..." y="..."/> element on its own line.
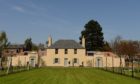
<point x="2" y="72"/>
<point x="66" y="76"/>
<point x="126" y="71"/>
<point x="137" y="74"/>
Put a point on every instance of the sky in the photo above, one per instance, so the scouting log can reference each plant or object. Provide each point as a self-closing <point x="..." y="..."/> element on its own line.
<point x="65" y="19"/>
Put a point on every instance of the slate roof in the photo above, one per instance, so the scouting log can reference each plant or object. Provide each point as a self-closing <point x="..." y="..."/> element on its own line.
<point x="66" y="44"/>
<point x="16" y="46"/>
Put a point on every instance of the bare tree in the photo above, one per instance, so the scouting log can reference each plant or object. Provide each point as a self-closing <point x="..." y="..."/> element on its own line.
<point x="3" y="44"/>
<point x="115" y="45"/>
<point x="131" y="51"/>
<point x="129" y="48"/>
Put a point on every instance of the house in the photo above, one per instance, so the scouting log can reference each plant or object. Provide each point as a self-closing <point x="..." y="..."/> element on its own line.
<point x="67" y="53"/>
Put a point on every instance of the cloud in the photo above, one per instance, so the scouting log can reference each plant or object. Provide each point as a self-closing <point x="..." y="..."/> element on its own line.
<point x="19" y="9"/>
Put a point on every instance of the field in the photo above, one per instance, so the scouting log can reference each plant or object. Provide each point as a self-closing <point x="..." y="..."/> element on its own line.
<point x="66" y="76"/>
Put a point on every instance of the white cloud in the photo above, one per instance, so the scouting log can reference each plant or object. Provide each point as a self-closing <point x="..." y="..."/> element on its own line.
<point x="19" y="8"/>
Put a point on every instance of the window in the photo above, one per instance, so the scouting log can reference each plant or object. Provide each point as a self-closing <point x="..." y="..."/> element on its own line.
<point x="75" y="51"/>
<point x="56" y="51"/>
<point x="25" y="53"/>
<point x="7" y="51"/>
<point x="74" y="60"/>
<point x="66" y="51"/>
<point x="17" y="50"/>
<point x="42" y="49"/>
<point x="56" y="60"/>
<point x="90" y="54"/>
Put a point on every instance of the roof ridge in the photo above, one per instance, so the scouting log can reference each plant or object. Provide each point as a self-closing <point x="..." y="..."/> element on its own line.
<point x="65" y="39"/>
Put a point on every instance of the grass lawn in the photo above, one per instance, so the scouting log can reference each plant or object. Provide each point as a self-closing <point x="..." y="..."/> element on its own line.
<point x="66" y="76"/>
<point x="2" y="72"/>
<point x="137" y="74"/>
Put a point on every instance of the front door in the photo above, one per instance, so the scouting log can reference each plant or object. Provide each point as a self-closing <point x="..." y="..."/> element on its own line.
<point x="99" y="62"/>
<point x="65" y="62"/>
<point x="32" y="61"/>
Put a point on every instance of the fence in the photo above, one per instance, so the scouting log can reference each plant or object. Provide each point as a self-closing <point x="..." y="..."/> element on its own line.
<point x="127" y="71"/>
<point x="14" y="69"/>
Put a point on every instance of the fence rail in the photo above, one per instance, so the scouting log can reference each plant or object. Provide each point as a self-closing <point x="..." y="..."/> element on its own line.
<point x="15" y="69"/>
<point x="127" y="71"/>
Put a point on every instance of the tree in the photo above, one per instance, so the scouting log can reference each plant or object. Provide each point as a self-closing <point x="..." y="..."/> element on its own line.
<point x="28" y="44"/>
<point x="126" y="48"/>
<point x="3" y="44"/>
<point x="106" y="47"/>
<point x="93" y="36"/>
<point x="114" y="44"/>
<point x="34" y="47"/>
<point x="131" y="49"/>
<point x="138" y="55"/>
<point x="41" y="49"/>
<point x="117" y="49"/>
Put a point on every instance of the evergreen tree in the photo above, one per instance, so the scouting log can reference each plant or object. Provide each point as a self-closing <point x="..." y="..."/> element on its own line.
<point x="28" y="44"/>
<point x="106" y="47"/>
<point x="94" y="40"/>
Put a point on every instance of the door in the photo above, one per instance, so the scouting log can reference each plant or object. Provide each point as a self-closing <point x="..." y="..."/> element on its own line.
<point x="32" y="61"/>
<point x="99" y="62"/>
<point x="65" y="62"/>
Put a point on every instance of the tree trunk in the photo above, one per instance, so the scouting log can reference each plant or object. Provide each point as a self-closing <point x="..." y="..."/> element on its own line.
<point x="121" y="64"/>
<point x="38" y="59"/>
<point x="0" y="63"/>
<point x="139" y="63"/>
<point x="1" y="67"/>
<point x="9" y="63"/>
<point x="113" y="63"/>
<point x="132" y="67"/>
<point x="106" y="62"/>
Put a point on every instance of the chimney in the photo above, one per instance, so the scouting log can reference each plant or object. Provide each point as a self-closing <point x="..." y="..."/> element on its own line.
<point x="49" y="41"/>
<point x="83" y="41"/>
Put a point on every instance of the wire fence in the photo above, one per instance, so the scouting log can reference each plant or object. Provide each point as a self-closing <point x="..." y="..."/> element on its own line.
<point x="127" y="71"/>
<point x="15" y="69"/>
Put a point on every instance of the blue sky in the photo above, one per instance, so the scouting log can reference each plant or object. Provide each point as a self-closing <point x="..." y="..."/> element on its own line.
<point x="65" y="19"/>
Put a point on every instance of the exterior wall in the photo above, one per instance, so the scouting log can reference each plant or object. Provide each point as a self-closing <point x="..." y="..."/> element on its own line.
<point x="20" y="60"/>
<point x="42" y="52"/>
<point x="14" y="51"/>
<point x="82" y="59"/>
<point x="106" y="62"/>
<point x="49" y="61"/>
<point x="117" y="62"/>
<point x="88" y="61"/>
<point x="23" y="60"/>
<point x="42" y="56"/>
